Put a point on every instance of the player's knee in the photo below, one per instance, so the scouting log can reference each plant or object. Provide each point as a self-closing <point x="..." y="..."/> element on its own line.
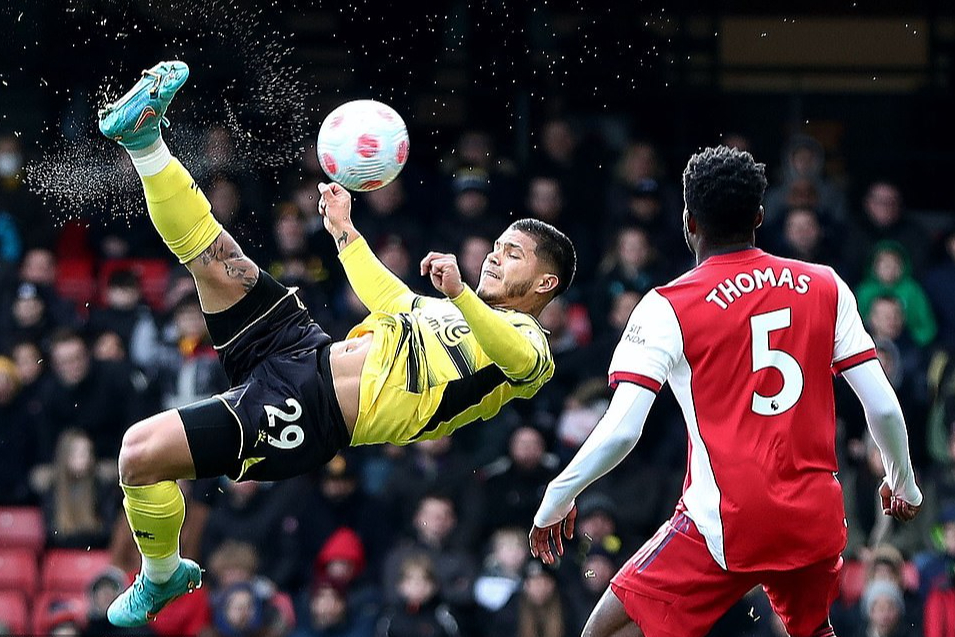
<point x="136" y="458"/>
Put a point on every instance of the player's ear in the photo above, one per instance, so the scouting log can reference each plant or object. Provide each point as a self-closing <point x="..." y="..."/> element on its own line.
<point x="759" y="217"/>
<point x="689" y="221"/>
<point x="548" y="283"/>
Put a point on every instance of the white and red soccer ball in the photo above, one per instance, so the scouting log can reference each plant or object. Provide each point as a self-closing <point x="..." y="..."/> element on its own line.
<point x="363" y="145"/>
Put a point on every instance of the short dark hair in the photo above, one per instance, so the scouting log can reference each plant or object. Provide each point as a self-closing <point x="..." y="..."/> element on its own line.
<point x="724" y="188"/>
<point x="554" y="247"/>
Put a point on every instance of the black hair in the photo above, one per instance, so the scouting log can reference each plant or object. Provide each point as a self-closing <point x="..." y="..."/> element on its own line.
<point x="554" y="247"/>
<point x="724" y="189"/>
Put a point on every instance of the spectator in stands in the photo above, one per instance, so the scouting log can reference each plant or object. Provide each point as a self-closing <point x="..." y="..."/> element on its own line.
<point x="583" y="409"/>
<point x="330" y="499"/>
<point x="242" y="610"/>
<point x="803" y="237"/>
<point x="890" y="275"/>
<point x="475" y="150"/>
<point x="392" y="250"/>
<point x="869" y="529"/>
<point x="883" y="564"/>
<point x="538" y="611"/>
<point x="33" y="219"/>
<point x="939" y="284"/>
<point x="546" y="200"/>
<point x="471" y="256"/>
<point x="295" y="264"/>
<point x="100" y="593"/>
<point x="262" y="515"/>
<point x="17" y="439"/>
<point x="329" y="614"/>
<point x="418" y="608"/>
<point x="94" y="396"/>
<point x="470" y="213"/>
<point x="80" y="504"/>
<point x="341" y="562"/>
<point x="599" y="565"/>
<point x="936" y="566"/>
<point x="39" y="268"/>
<point x="884" y="218"/>
<point x="26" y="317"/>
<point x="435" y="467"/>
<point x="184" y="367"/>
<point x="385" y="212"/>
<point x="884" y="611"/>
<point x="905" y="365"/>
<point x="454" y="570"/>
<point x="512" y="485"/>
<point x="643" y="206"/>
<point x="639" y="169"/>
<point x="804" y="160"/>
<point x="11" y="244"/>
<point x="33" y="376"/>
<point x="124" y="311"/>
<point x="627" y="267"/>
<point x="501" y="577"/>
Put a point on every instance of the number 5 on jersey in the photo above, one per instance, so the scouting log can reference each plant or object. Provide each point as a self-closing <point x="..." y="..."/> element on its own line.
<point x="290" y="436"/>
<point x="764" y="357"/>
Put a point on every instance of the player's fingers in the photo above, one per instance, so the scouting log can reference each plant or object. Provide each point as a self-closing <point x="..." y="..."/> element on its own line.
<point x="426" y="262"/>
<point x="323" y="187"/>
<point x="569" y="523"/>
<point x="558" y="542"/>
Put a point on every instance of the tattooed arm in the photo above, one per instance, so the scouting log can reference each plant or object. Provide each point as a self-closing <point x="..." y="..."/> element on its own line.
<point x="223" y="274"/>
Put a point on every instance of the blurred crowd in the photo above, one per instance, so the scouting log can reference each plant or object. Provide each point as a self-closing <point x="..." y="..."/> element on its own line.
<point x="99" y="328"/>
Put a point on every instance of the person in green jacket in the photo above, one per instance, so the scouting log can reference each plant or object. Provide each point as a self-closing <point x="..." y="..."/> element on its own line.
<point x="889" y="275"/>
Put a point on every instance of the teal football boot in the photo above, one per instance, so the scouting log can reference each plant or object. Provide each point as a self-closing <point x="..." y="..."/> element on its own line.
<point x="140" y="603"/>
<point x="134" y="119"/>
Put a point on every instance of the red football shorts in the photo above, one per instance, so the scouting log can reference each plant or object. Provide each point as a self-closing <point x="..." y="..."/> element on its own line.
<point x="673" y="587"/>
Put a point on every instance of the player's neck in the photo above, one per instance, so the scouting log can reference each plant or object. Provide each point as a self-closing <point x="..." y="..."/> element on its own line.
<point x="706" y="250"/>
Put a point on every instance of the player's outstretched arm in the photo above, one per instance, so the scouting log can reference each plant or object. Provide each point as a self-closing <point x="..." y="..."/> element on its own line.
<point x="377" y="287"/>
<point x="517" y="352"/>
<point x="901" y="497"/>
<point x="608" y="444"/>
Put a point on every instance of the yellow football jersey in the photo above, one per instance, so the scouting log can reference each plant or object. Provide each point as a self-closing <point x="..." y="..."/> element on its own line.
<point x="436" y="364"/>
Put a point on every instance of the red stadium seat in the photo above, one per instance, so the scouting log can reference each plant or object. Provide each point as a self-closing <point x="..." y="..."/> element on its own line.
<point x="18" y="570"/>
<point x="14" y="616"/>
<point x="22" y="528"/>
<point x="75" y="281"/>
<point x="52" y="607"/>
<point x="153" y="277"/>
<point x="72" y="570"/>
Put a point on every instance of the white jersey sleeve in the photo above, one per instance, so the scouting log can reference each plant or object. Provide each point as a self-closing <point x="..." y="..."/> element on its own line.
<point x="650" y="346"/>
<point x="853" y="345"/>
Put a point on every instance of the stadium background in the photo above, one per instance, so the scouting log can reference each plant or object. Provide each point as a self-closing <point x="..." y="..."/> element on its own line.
<point x="579" y="115"/>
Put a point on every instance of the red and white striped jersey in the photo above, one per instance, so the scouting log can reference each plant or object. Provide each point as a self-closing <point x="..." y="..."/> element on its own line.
<point x="748" y="343"/>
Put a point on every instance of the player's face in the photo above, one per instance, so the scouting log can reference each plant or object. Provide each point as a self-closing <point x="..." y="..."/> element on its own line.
<point x="511" y="269"/>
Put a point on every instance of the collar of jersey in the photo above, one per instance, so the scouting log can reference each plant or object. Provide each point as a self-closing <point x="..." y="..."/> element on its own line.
<point x="737" y="256"/>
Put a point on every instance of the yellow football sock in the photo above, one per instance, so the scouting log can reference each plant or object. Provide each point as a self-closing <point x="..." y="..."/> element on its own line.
<point x="155" y="513"/>
<point x="180" y="212"/>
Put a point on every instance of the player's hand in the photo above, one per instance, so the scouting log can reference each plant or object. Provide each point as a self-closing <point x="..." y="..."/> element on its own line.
<point x="335" y="207"/>
<point x="896" y="507"/>
<point x="540" y="539"/>
<point x="444" y="272"/>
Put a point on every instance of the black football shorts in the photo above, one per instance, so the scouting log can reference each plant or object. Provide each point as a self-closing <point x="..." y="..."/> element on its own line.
<point x="281" y="417"/>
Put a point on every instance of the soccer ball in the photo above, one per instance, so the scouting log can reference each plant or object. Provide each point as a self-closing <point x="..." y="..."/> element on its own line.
<point x="363" y="145"/>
